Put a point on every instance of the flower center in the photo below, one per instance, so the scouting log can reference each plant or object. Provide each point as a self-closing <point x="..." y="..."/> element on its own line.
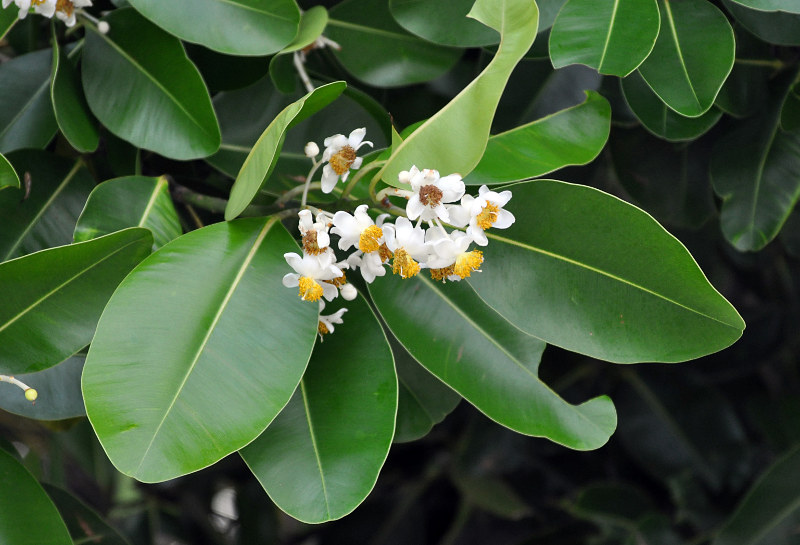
<point x="403" y="264"/>
<point x="310" y="245"/>
<point x="322" y="329"/>
<point x="368" y="241"/>
<point x="488" y="216"/>
<point x="339" y="281"/>
<point x="430" y="195"/>
<point x="64" y="6"/>
<point x="468" y="262"/>
<point x="309" y="289"/>
<point x="385" y="253"/>
<point x="442" y="274"/>
<point x="340" y="161"/>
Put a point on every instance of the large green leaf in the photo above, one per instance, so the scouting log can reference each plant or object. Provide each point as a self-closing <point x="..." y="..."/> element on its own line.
<point x="27" y="516"/>
<point x="611" y="36"/>
<point x="83" y="523"/>
<point x="262" y="158"/>
<point x="321" y="456"/>
<point x="770" y="512"/>
<point x="600" y="277"/>
<point x="492" y="364"/>
<point x="443" y="23"/>
<point x="755" y="171"/>
<point x="236" y="27"/>
<point x="658" y="118"/>
<point x="8" y="176"/>
<point x="378" y="51"/>
<point x="574" y="136"/>
<point x="69" y="104"/>
<point x="454" y="139"/>
<point x="8" y="17"/>
<point x="58" y="190"/>
<point x="26" y="118"/>
<point x="788" y="6"/>
<point x="59" y="391"/>
<point x="166" y="108"/>
<point x="53" y="298"/>
<point x="692" y="57"/>
<point x="774" y="28"/>
<point x="198" y="350"/>
<point x="131" y="201"/>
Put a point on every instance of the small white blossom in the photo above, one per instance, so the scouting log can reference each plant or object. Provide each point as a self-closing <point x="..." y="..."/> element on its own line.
<point x="325" y="325"/>
<point x="408" y="247"/>
<point x="357" y="230"/>
<point x="309" y="271"/>
<point x="485" y="211"/>
<point x="340" y="154"/>
<point x="450" y="259"/>
<point x="66" y="10"/>
<point x="315" y="234"/>
<point x="430" y="193"/>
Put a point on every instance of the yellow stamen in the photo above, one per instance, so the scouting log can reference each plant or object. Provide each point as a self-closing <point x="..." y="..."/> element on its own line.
<point x="442" y="274"/>
<point x="404" y="265"/>
<point x="368" y="242"/>
<point x="342" y="160"/>
<point x="64" y="6"/>
<point x="339" y="281"/>
<point x="385" y="253"/>
<point x="322" y="329"/>
<point x="310" y="290"/>
<point x="488" y="216"/>
<point x="468" y="262"/>
<point x="310" y="245"/>
<point x="430" y="195"/>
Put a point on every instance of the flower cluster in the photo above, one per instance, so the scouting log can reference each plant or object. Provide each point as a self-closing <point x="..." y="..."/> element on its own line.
<point x="63" y="9"/>
<point x="404" y="247"/>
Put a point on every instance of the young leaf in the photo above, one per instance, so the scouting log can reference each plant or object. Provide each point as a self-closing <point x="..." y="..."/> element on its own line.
<point x="443" y="23"/>
<point x="487" y="360"/>
<point x="198" y="350"/>
<point x="321" y="456"/>
<point x="235" y="27"/>
<point x="600" y="277"/>
<point x="261" y="159"/>
<point x="692" y="57"/>
<point x="131" y="201"/>
<point x="611" y="36"/>
<point x="69" y="104"/>
<point x="167" y="108"/>
<point x="53" y="298"/>
<point x="454" y="139"/>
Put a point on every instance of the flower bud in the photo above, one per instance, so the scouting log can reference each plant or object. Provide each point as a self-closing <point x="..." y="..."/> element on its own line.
<point x="404" y="177"/>
<point x="31" y="394"/>
<point x="348" y="292"/>
<point x="103" y="27"/>
<point x="311" y="150"/>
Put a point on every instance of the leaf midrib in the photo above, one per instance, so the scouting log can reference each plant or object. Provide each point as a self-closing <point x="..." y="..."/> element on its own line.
<point x="28" y="105"/>
<point x="608" y="35"/>
<point x="161" y="182"/>
<point x="315" y="448"/>
<point x="674" y="33"/>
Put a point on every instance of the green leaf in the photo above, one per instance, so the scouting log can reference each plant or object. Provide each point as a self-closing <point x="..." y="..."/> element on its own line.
<point x="8" y="176"/>
<point x="26" y="118"/>
<point x="84" y="524"/>
<point x="312" y="24"/>
<point x="775" y="28"/>
<point x="788" y="6"/>
<point x="454" y="139"/>
<point x="261" y="159"/>
<point x="236" y="27"/>
<point x="790" y="112"/>
<point x="574" y="136"/>
<point x="53" y="298"/>
<point x="600" y="277"/>
<point x="131" y="201"/>
<point x="69" y="104"/>
<point x="8" y="17"/>
<point x="443" y="23"/>
<point x="488" y="361"/>
<point x="693" y="56"/>
<point x="755" y="171"/>
<point x="167" y="108"/>
<point x="186" y="368"/>
<point x="59" y="389"/>
<point x="659" y="119"/>
<point x="770" y="511"/>
<point x="611" y="36"/>
<point x="377" y="51"/>
<point x="27" y="516"/>
<point x="58" y="190"/>
<point x="321" y="456"/>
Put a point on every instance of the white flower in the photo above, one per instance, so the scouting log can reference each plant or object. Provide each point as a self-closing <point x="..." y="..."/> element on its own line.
<point x="325" y="325"/>
<point x="66" y="10"/>
<point x="42" y="7"/>
<point x="340" y="153"/>
<point x="407" y="244"/>
<point x="357" y="230"/>
<point x="315" y="234"/>
<point x="430" y="193"/>
<point x="308" y="270"/>
<point x="485" y="211"/>
<point x="450" y="259"/>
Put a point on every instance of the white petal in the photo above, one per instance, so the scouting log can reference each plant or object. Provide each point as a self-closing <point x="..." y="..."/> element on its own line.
<point x="323" y="240"/>
<point x="294" y="260"/>
<point x="356" y="137"/>
<point x="414" y="207"/>
<point x="357" y="163"/>
<point x="329" y="291"/>
<point x="459" y="214"/>
<point x="502" y="198"/>
<point x="504" y="219"/>
<point x="441" y="213"/>
<point x="291" y="280"/>
<point x="477" y="235"/>
<point x="329" y="179"/>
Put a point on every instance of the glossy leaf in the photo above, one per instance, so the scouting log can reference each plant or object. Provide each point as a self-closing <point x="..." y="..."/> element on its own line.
<point x="261" y="159"/>
<point x="548" y="10"/>
<point x="182" y="373"/>
<point x="321" y="456"/>
<point x="69" y="104"/>
<point x="312" y="24"/>
<point x="443" y="23"/>
<point x="454" y="139"/>
<point x="83" y="523"/>
<point x="775" y="28"/>
<point x="755" y="171"/>
<point x="659" y="119"/>
<point x="132" y="201"/>
<point x="574" y="136"/>
<point x="167" y="108"/>
<point x="26" y="118"/>
<point x="54" y="298"/>
<point x="488" y="361"/>
<point x="602" y="278"/>
<point x="27" y="516"/>
<point x="788" y="6"/>
<point x="8" y="176"/>
<point x="58" y="190"/>
<point x="378" y="51"/>
<point x="59" y="389"/>
<point x="692" y="57"/>
<point x="8" y="17"/>
<point x="236" y="27"/>
<point x="611" y="36"/>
